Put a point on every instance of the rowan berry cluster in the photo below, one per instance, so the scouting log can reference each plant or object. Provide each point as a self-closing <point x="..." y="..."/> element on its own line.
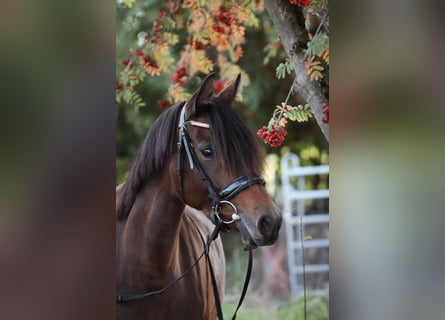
<point x="224" y="16"/>
<point x="198" y="45"/>
<point x="157" y="27"/>
<point x="325" y="113"/>
<point x="150" y="61"/>
<point x="180" y="76"/>
<point x="274" y="136"/>
<point x="301" y="3"/>
<point x="223" y="20"/>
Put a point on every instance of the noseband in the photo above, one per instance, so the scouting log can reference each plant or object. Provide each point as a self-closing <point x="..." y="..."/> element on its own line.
<point x="219" y="198"/>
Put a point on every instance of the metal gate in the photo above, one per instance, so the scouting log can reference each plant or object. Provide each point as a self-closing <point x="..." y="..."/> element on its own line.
<point x="295" y="194"/>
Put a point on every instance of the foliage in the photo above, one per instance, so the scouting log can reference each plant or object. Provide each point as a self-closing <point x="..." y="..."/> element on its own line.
<point x="209" y="36"/>
<point x="164" y="48"/>
<point x="317" y="53"/>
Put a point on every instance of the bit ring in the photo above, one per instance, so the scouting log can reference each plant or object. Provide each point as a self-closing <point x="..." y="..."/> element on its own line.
<point x="235" y="215"/>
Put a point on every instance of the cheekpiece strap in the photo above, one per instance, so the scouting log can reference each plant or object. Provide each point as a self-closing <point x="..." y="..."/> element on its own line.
<point x="182" y="137"/>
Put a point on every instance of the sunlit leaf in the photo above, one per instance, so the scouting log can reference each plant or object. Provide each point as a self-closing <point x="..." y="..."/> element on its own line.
<point x="128" y="3"/>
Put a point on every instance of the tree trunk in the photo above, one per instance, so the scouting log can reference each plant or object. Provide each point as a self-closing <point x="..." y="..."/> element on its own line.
<point x="289" y="22"/>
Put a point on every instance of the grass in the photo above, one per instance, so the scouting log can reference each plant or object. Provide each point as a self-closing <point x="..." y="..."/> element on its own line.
<point x="285" y="309"/>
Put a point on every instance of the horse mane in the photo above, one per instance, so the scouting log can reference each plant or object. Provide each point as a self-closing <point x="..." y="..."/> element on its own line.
<point x="157" y="146"/>
<point x="232" y="141"/>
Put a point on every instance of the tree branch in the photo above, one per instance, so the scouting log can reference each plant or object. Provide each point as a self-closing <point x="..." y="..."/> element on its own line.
<point x="289" y="22"/>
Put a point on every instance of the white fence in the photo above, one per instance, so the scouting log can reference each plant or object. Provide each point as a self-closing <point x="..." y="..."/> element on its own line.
<point x="294" y="197"/>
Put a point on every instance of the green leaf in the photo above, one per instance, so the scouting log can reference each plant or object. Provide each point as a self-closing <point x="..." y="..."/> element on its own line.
<point x="292" y="115"/>
<point x="317" y="44"/>
<point x="127" y="96"/>
<point x="168" y="23"/>
<point x="284" y="68"/>
<point x="289" y="67"/>
<point x="300" y="113"/>
<point x="281" y="71"/>
<point x="300" y="117"/>
<point x="270" y="51"/>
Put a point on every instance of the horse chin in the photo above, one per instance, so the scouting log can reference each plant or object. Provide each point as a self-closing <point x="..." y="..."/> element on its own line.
<point x="246" y="232"/>
<point x="248" y="241"/>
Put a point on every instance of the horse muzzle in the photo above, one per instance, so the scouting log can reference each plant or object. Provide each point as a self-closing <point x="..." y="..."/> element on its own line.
<point x="263" y="232"/>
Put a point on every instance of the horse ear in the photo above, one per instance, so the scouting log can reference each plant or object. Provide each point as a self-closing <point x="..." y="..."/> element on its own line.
<point x="201" y="96"/>
<point x="228" y="94"/>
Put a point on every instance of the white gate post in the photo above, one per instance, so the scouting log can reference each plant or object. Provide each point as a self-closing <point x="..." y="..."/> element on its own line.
<point x="290" y="168"/>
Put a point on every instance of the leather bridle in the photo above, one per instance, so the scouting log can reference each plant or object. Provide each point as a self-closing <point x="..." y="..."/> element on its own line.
<point x="219" y="198"/>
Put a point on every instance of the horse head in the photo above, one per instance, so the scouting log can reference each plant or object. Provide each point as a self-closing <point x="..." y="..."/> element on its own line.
<point x="218" y="165"/>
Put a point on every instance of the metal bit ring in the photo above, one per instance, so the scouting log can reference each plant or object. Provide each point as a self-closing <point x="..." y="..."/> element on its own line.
<point x="235" y="216"/>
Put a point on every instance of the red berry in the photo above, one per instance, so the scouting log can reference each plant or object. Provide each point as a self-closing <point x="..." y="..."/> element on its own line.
<point x="218" y="28"/>
<point x="150" y="61"/>
<point x="164" y="103"/>
<point x="156" y="40"/>
<point x="162" y="12"/>
<point x="301" y="3"/>
<point x="198" y="45"/>
<point x="325" y="113"/>
<point x="218" y="85"/>
<point x="180" y="76"/>
<point x="127" y="63"/>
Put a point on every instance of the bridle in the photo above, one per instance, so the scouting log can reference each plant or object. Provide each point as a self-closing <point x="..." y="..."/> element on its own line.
<point x="219" y="198"/>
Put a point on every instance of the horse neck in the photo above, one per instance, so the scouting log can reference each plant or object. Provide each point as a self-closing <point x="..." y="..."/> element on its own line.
<point x="149" y="237"/>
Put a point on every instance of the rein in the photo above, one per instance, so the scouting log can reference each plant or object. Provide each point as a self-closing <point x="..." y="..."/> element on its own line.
<point x="131" y="297"/>
<point x="219" y="198"/>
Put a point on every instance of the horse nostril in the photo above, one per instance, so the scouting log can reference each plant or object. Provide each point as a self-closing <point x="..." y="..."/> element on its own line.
<point x="265" y="225"/>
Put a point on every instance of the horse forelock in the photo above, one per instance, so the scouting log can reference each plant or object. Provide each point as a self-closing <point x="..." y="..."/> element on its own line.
<point x="233" y="143"/>
<point x="158" y="145"/>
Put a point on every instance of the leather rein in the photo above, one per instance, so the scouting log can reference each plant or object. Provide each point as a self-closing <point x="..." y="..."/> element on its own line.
<point x="218" y="199"/>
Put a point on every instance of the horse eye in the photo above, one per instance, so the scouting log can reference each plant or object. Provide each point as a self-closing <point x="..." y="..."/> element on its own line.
<point x="207" y="152"/>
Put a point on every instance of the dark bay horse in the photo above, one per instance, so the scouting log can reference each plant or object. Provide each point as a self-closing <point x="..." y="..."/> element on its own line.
<point x="198" y="161"/>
